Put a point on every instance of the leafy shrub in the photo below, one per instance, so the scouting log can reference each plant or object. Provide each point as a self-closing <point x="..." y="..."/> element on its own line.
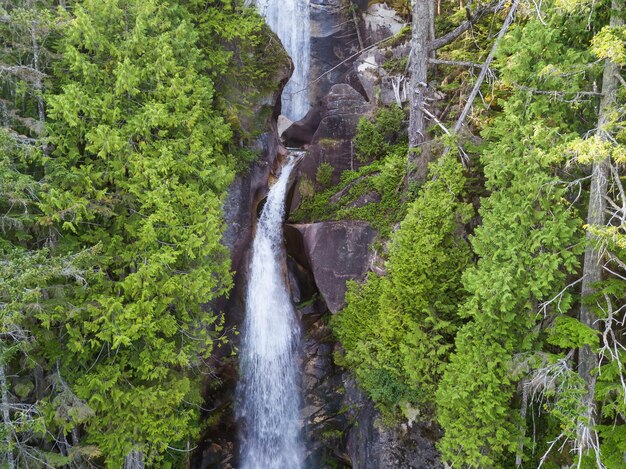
<point x="374" y="138"/>
<point x="324" y="174"/>
<point x="397" y="330"/>
<point x="306" y="188"/>
<point x="384" y="177"/>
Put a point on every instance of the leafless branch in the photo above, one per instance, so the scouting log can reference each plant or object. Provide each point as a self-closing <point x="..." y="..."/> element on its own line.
<point x="465" y="26"/>
<point x="457" y="63"/>
<point x="485" y="68"/>
<point x="560" y="94"/>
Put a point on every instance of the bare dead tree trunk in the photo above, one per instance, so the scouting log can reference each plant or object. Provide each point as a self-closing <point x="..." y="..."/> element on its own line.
<point x="431" y="26"/>
<point x="134" y="460"/>
<point x="419" y="77"/>
<point x="423" y="44"/>
<point x="6" y="417"/>
<point x="355" y="19"/>
<point x="592" y="267"/>
<point x="5" y="114"/>
<point x="38" y="83"/>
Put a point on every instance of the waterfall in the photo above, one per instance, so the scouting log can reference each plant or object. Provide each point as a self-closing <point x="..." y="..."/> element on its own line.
<point x="269" y="400"/>
<point x="291" y="21"/>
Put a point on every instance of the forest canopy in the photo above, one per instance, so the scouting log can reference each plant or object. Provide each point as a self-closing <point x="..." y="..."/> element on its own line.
<point x="116" y="155"/>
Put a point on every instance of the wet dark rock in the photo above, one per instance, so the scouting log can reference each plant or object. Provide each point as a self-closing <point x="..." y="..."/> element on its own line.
<point x="301" y="133"/>
<point x="294" y="288"/>
<point x="324" y="420"/>
<point x="217" y="456"/>
<point x="301" y="281"/>
<point x="334" y="41"/>
<point x="340" y="112"/>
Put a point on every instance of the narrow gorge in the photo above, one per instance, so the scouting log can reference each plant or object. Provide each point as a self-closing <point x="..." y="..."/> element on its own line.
<point x="268" y="390"/>
<point x="298" y="271"/>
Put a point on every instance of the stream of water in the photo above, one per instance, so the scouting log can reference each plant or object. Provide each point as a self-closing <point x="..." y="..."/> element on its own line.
<point x="291" y="21"/>
<point x="269" y="396"/>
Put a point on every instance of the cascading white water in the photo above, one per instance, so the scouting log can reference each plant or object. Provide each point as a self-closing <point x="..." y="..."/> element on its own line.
<point x="269" y="401"/>
<point x="291" y="21"/>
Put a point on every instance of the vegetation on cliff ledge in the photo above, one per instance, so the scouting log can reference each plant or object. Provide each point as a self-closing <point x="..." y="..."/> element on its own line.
<point x="501" y="313"/>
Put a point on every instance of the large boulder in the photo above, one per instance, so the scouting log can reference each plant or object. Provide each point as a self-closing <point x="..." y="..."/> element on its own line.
<point x="339" y="114"/>
<point x="301" y="133"/>
<point x="381" y="21"/>
<point x="341" y="110"/>
<point x="335" y="252"/>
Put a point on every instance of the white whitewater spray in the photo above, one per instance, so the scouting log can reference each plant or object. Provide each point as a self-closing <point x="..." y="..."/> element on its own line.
<point x="269" y="400"/>
<point x="291" y="21"/>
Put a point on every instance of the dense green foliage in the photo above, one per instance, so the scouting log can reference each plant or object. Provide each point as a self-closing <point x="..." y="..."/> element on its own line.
<point x="137" y="170"/>
<point x="375" y="137"/>
<point x="526" y="246"/>
<point x="396" y="329"/>
<point x="374" y="192"/>
<point x="31" y="282"/>
<point x="111" y="187"/>
<point x="491" y="343"/>
<point x="125" y="121"/>
<point x="380" y="182"/>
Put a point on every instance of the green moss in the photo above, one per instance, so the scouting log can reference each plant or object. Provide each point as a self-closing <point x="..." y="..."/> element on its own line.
<point x="331" y="435"/>
<point x="384" y="177"/>
<point x="398" y="39"/>
<point x="306" y="188"/>
<point x="258" y="64"/>
<point x="328" y="142"/>
<point x="395" y="65"/>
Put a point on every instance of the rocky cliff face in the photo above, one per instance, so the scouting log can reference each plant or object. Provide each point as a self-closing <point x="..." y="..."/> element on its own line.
<point x="341" y="426"/>
<point x="336" y="35"/>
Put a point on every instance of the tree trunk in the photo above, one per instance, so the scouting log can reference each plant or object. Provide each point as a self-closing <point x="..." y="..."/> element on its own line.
<point x="38" y="82"/>
<point x="134" y="460"/>
<point x="592" y="268"/>
<point x="419" y="80"/>
<point x="6" y="417"/>
<point x="424" y="44"/>
<point x="431" y="26"/>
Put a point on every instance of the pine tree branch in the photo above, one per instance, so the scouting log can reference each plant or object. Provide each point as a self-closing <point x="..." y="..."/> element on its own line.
<point x="560" y="94"/>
